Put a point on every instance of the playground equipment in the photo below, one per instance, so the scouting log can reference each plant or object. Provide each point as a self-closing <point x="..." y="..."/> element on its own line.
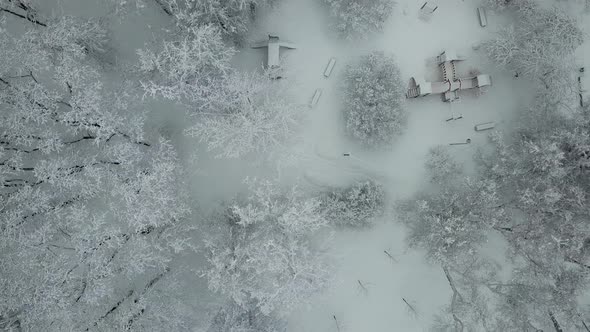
<point x="450" y="82"/>
<point x="273" y="44"/>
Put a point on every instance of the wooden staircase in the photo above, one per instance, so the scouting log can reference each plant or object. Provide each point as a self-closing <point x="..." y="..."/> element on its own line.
<point x="413" y="92"/>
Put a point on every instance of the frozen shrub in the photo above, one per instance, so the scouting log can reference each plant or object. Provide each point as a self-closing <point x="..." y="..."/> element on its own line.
<point x="374" y="100"/>
<point x="360" y="18"/>
<point x="357" y="205"/>
<point x="440" y="165"/>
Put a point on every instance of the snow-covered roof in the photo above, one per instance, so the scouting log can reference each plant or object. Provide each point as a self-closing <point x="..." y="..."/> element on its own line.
<point x="484" y="80"/>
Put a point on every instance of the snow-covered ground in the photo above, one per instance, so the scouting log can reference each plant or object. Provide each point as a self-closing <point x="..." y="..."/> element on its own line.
<point x="360" y="254"/>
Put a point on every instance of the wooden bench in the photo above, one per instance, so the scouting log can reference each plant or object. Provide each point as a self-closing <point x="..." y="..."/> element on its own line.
<point x="484" y="126"/>
<point x="329" y="68"/>
<point x="481" y="13"/>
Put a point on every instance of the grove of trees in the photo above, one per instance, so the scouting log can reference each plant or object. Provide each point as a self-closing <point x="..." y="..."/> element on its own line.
<point x="91" y="212"/>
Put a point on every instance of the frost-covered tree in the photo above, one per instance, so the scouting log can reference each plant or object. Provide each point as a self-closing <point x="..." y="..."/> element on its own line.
<point x="247" y="112"/>
<point x="356" y="206"/>
<point x="374" y="110"/>
<point x="232" y="17"/>
<point x="91" y="215"/>
<point x="539" y="45"/>
<point x="187" y="67"/>
<point x="360" y="18"/>
<point x="261" y="257"/>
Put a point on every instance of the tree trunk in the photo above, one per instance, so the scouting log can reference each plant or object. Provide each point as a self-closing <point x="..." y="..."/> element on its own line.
<point x="555" y="322"/>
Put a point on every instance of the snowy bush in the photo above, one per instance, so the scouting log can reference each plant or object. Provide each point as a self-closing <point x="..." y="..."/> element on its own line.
<point x="374" y="100"/>
<point x="247" y="112"/>
<point x="441" y="166"/>
<point x="261" y="254"/>
<point x="356" y="206"/>
<point x="360" y="18"/>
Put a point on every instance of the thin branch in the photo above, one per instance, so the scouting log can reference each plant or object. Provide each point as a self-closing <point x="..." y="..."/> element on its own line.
<point x="84" y="284"/>
<point x="555" y="322"/>
<point x="337" y="325"/>
<point x="362" y="287"/>
<point x="117" y="305"/>
<point x="25" y="17"/>
<point x="575" y="261"/>
<point x="412" y="309"/>
<point x="164" y="7"/>
<point x="390" y="256"/>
